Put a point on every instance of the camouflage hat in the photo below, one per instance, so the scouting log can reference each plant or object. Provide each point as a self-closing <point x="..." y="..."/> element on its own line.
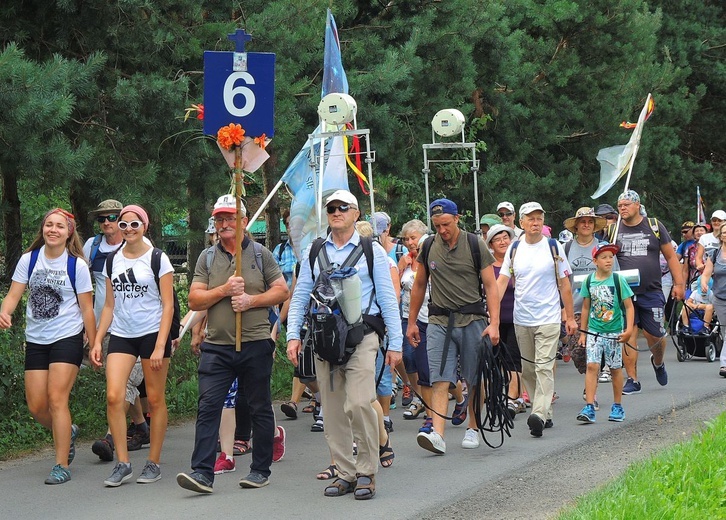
<point x="109" y="206"/>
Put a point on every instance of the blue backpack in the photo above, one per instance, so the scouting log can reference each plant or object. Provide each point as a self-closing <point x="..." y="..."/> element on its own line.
<point x="70" y="268"/>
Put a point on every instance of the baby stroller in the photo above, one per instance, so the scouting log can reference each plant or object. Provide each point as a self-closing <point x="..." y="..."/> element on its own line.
<point x="694" y="339"/>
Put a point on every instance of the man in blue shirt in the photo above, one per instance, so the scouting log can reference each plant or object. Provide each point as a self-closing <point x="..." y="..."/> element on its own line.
<point x="284" y="253"/>
<point x="347" y="391"/>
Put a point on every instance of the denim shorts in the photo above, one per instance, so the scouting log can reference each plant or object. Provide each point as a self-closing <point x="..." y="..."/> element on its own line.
<point x="650" y="313"/>
<point x="465" y="347"/>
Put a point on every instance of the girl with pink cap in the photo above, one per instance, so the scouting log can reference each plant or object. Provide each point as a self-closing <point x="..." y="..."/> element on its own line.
<point x="138" y="313"/>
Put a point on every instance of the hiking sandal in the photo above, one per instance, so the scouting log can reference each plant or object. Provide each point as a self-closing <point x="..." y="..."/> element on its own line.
<point x="339" y="488"/>
<point x="328" y="473"/>
<point x="385" y="454"/>
<point x="365" y="487"/>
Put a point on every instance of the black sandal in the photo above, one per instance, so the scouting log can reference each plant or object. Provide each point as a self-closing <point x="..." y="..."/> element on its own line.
<point x="385" y="454"/>
<point x="329" y="473"/>
<point x="339" y="488"/>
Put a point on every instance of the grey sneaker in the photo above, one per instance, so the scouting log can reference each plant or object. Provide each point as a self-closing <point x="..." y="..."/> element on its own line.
<point x="150" y="473"/>
<point x="74" y="435"/>
<point x="194" y="481"/>
<point x="120" y="474"/>
<point x="254" y="480"/>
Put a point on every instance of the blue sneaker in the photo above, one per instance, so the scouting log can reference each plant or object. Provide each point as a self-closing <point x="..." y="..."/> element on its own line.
<point x="632" y="387"/>
<point x="427" y="426"/>
<point x="58" y="475"/>
<point x="74" y="435"/>
<point x="660" y="372"/>
<point x="617" y="414"/>
<point x="459" y="415"/>
<point x="587" y="414"/>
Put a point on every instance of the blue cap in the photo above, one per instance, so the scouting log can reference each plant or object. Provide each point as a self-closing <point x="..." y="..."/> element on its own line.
<point x="442" y="207"/>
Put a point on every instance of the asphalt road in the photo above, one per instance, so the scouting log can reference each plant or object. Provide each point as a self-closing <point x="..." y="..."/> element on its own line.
<point x="527" y="477"/>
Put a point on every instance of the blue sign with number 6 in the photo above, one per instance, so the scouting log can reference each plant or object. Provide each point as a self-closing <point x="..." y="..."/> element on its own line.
<point x="239" y="88"/>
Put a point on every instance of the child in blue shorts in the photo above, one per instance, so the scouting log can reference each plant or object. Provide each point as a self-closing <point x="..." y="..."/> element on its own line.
<point x="607" y="309"/>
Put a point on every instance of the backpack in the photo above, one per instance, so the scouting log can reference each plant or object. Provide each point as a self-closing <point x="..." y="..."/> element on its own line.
<point x="653" y="222"/>
<point x="334" y="339"/>
<point x="399" y="251"/>
<point x="616" y="280"/>
<point x="155" y="268"/>
<point x="256" y="247"/>
<point x="94" y="247"/>
<point x="473" y="248"/>
<point x="70" y="268"/>
<point x="553" y="251"/>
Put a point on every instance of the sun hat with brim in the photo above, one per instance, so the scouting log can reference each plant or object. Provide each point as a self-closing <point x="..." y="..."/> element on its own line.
<point x="490" y="219"/>
<point x="600" y="222"/>
<point x="495" y="230"/>
<point x="109" y="206"/>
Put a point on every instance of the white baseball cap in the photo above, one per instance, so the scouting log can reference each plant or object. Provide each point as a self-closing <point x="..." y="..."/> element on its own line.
<point x="343" y="196"/>
<point x="529" y="207"/>
<point x="507" y="205"/>
<point x="719" y="214"/>
<point x="227" y="204"/>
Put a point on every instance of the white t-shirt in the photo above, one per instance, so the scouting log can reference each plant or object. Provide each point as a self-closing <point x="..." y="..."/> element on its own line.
<point x="407" y="279"/>
<point x="52" y="311"/>
<point x="710" y="243"/>
<point x="137" y="302"/>
<point x="97" y="267"/>
<point x="536" y="297"/>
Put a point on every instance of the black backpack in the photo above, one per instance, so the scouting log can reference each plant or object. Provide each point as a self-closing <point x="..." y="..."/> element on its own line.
<point x="155" y="267"/>
<point x="334" y="339"/>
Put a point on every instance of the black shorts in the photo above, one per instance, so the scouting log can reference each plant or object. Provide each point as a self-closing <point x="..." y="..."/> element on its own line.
<point x="66" y="350"/>
<point x="142" y="346"/>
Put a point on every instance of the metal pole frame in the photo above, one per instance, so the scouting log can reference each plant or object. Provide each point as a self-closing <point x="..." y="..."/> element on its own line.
<point x="474" y="168"/>
<point x="370" y="158"/>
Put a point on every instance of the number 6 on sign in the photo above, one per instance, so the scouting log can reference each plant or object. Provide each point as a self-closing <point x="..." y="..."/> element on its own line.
<point x="231" y="92"/>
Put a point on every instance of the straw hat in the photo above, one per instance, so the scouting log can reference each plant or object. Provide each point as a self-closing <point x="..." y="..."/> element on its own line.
<point x="600" y="222"/>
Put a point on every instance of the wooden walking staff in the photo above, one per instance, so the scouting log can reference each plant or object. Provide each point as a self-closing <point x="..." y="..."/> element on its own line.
<point x="239" y="234"/>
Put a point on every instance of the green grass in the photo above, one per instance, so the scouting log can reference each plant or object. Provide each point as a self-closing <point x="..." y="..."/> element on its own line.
<point x="686" y="481"/>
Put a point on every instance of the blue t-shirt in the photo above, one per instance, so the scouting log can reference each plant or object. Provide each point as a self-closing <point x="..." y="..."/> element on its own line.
<point x="606" y="314"/>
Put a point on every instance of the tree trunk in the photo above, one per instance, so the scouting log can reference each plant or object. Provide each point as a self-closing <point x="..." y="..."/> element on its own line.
<point x="12" y="229"/>
<point x="198" y="219"/>
<point x="272" y="212"/>
<point x="81" y="205"/>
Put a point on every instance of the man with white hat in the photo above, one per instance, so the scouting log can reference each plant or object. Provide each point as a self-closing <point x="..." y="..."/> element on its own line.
<point x="541" y="275"/>
<point x="506" y="212"/>
<point x="348" y="390"/>
<point x="218" y="290"/>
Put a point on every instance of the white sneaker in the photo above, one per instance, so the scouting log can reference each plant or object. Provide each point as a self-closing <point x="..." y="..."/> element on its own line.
<point x="431" y="441"/>
<point x="605" y="376"/>
<point x="471" y="439"/>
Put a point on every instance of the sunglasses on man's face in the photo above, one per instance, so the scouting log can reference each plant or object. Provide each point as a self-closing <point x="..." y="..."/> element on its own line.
<point x="134" y="224"/>
<point x="505" y="214"/>
<point x="103" y="218"/>
<point x="343" y="208"/>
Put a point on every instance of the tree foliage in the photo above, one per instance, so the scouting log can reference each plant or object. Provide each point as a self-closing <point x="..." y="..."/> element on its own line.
<point x="543" y="84"/>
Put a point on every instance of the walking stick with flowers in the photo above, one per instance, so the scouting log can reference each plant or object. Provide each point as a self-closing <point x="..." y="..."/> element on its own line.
<point x="242" y="153"/>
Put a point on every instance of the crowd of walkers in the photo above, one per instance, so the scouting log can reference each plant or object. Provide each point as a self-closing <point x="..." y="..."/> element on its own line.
<point x="429" y="306"/>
